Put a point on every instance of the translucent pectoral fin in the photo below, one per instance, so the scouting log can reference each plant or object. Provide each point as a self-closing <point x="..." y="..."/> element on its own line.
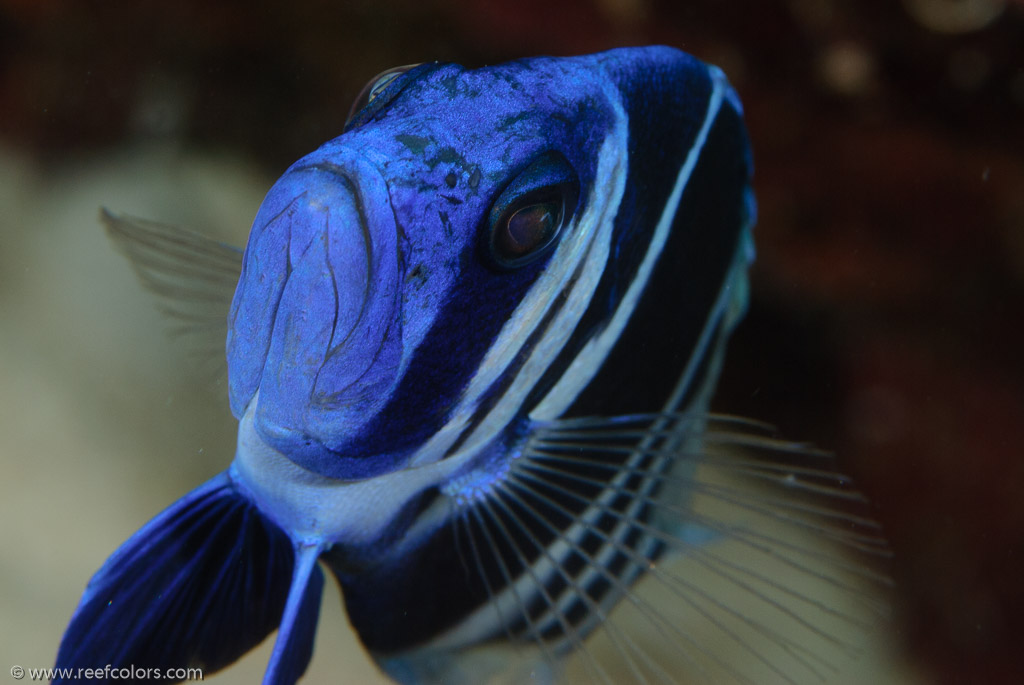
<point x="756" y="561"/>
<point x="198" y="586"/>
<point x="192" y="277"/>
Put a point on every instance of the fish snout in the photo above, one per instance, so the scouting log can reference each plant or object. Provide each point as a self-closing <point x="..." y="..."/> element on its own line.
<point x="316" y="321"/>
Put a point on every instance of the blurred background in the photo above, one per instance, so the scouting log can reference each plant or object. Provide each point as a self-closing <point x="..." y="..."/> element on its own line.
<point x="887" y="320"/>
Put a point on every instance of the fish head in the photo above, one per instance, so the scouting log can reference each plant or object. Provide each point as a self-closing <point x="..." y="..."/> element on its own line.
<point x="406" y="286"/>
<point x="381" y="266"/>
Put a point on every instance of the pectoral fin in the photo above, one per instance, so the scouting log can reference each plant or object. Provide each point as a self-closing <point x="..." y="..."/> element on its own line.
<point x="191" y="276"/>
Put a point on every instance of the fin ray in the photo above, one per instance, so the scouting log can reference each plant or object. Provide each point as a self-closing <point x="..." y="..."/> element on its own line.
<point x="192" y="277"/>
<point x="777" y="506"/>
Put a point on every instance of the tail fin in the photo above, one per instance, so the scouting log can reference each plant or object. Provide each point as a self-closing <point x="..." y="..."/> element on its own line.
<point x="198" y="586"/>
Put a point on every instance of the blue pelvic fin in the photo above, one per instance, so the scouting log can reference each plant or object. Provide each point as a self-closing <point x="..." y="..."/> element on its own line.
<point x="198" y="586"/>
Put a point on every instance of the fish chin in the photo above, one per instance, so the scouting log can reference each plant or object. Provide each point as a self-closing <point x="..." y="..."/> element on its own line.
<point x="317" y="509"/>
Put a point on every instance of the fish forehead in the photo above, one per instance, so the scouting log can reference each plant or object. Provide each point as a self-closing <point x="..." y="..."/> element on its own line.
<point x="450" y="141"/>
<point x="491" y="110"/>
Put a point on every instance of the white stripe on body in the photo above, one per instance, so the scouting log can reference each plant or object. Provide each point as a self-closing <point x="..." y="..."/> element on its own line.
<point x="585" y="249"/>
<point x="485" y="620"/>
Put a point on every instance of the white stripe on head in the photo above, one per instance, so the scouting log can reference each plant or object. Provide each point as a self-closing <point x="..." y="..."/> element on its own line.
<point x="586" y="364"/>
<point x="585" y="250"/>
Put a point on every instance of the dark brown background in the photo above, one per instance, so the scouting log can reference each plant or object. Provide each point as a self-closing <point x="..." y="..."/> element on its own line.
<point x="886" y="320"/>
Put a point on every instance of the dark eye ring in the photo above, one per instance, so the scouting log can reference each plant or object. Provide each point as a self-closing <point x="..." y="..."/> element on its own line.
<point x="531" y="211"/>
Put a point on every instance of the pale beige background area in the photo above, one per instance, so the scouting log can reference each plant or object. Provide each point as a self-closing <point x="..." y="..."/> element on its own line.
<point x="102" y="421"/>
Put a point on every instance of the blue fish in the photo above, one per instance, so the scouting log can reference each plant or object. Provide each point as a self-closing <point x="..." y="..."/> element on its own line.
<point x="471" y="351"/>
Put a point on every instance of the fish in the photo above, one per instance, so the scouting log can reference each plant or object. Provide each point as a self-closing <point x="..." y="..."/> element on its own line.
<point x="471" y="346"/>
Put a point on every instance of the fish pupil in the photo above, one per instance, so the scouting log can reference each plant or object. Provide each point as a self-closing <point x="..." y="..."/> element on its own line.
<point x="529" y="229"/>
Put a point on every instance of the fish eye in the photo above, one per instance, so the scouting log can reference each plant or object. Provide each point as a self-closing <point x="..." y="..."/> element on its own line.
<point x="527" y="230"/>
<point x="531" y="211"/>
<point x="375" y="87"/>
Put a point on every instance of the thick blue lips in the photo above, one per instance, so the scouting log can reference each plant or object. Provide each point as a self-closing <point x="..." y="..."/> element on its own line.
<point x="329" y="273"/>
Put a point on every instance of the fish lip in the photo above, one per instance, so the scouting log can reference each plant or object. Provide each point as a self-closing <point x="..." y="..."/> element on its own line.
<point x="328" y="367"/>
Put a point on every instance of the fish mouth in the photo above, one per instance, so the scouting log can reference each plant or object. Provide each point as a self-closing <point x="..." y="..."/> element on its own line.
<point x="323" y="272"/>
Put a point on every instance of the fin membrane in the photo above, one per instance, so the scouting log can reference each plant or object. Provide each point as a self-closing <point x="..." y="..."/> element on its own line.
<point x="198" y="586"/>
<point x="192" y="277"/>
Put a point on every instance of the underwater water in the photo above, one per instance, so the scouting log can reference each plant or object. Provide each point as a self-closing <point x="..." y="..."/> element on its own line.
<point x="891" y="264"/>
